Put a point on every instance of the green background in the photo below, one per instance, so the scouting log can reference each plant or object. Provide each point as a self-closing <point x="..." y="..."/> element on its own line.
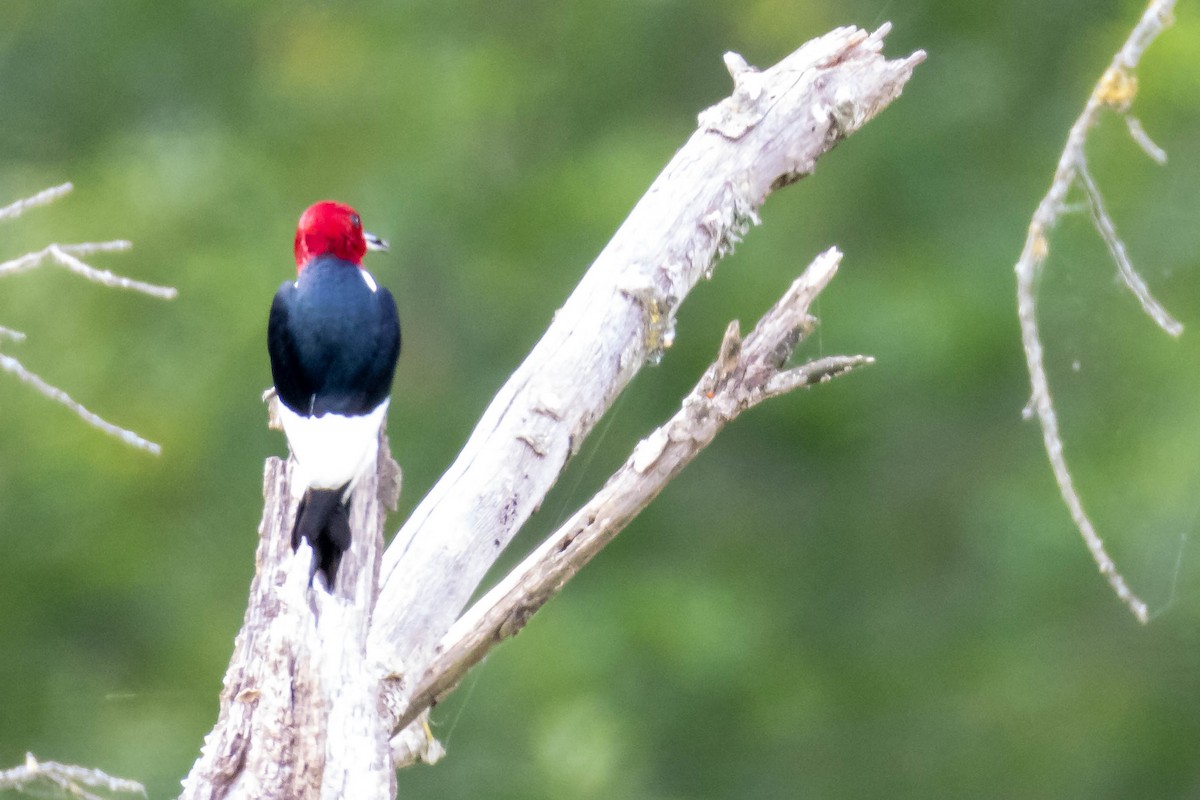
<point x="868" y="590"/>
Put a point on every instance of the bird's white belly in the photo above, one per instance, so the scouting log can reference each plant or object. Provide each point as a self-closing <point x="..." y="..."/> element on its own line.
<point x="332" y="450"/>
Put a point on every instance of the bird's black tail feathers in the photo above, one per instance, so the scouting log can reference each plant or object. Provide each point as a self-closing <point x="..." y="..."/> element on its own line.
<point x="324" y="520"/>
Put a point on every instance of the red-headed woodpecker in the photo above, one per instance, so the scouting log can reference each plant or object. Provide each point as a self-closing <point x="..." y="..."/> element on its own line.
<point x="333" y="337"/>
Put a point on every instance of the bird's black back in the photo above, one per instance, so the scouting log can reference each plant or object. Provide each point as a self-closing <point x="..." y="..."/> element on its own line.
<point x="333" y="342"/>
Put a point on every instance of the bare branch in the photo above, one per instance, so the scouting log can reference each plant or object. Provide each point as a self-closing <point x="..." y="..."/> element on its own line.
<point x="14" y="367"/>
<point x="71" y="780"/>
<point x="821" y="370"/>
<point x="767" y="134"/>
<point x="1116" y="248"/>
<point x="1139" y="135"/>
<point x="744" y="374"/>
<point x="42" y="198"/>
<point x="1115" y="90"/>
<point x="66" y="255"/>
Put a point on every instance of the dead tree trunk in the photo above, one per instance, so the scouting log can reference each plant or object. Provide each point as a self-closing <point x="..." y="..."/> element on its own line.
<point x="318" y="684"/>
<point x="300" y="708"/>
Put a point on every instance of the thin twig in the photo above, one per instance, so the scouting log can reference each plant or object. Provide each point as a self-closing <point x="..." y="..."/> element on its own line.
<point x="14" y="367"/>
<point x="744" y="374"/>
<point x="66" y="255"/>
<point x="1115" y="90"/>
<point x="42" y="198"/>
<point x="1116" y="248"/>
<point x="1139" y="135"/>
<point x="72" y="780"/>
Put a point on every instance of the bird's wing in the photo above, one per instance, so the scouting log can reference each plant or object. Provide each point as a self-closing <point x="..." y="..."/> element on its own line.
<point x="291" y="383"/>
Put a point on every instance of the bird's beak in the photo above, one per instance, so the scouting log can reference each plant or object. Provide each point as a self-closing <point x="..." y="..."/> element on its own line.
<point x="375" y="243"/>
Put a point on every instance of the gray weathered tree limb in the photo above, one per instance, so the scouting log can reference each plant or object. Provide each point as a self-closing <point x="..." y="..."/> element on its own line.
<point x="768" y="134"/>
<point x="319" y="683"/>
<point x="744" y="375"/>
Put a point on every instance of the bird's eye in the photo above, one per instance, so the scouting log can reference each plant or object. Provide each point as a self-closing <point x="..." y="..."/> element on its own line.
<point x="356" y="220"/>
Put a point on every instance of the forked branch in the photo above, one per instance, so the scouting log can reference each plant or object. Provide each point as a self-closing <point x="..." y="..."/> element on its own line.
<point x="67" y="256"/>
<point x="1115" y="90"/>
<point x="769" y="133"/>
<point x="744" y="374"/>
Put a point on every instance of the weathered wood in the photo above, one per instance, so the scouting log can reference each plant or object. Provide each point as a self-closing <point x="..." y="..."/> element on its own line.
<point x="300" y="713"/>
<point x="768" y="134"/>
<point x="744" y="375"/>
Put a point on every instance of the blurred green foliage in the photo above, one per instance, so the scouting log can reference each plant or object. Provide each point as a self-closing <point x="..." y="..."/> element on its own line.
<point x="869" y="590"/>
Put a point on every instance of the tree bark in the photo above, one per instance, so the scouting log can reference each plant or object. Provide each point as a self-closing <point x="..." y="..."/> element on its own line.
<point x="301" y="713"/>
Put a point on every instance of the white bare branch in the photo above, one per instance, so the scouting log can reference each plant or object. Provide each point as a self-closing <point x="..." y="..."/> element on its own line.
<point x="1115" y="90"/>
<point x="1116" y="248"/>
<point x="42" y="198"/>
<point x="67" y="256"/>
<point x="70" y="780"/>
<point x="1143" y="140"/>
<point x="51" y="392"/>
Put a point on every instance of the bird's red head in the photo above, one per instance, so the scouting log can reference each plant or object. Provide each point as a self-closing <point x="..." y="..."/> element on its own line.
<point x="329" y="228"/>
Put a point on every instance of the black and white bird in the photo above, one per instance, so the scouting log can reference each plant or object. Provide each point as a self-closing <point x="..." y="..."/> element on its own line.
<point x="334" y="338"/>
